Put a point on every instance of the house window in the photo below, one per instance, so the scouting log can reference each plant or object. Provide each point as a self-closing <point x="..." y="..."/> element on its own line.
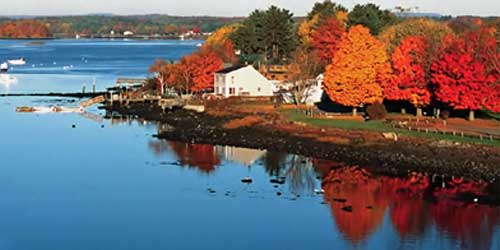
<point x="258" y="89"/>
<point x="241" y="89"/>
<point x="231" y="91"/>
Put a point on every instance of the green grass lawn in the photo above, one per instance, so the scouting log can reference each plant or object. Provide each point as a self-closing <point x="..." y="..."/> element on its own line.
<point x="377" y="126"/>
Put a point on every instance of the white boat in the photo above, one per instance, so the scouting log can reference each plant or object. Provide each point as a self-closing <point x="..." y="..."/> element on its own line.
<point x="4" y="67"/>
<point x="199" y="45"/>
<point x="19" y="61"/>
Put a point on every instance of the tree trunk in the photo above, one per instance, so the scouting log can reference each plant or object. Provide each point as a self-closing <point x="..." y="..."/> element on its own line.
<point x="354" y="111"/>
<point x="471" y="115"/>
<point x="419" y="112"/>
<point x="403" y="111"/>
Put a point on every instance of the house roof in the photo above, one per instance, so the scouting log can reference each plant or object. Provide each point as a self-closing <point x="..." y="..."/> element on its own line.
<point x="231" y="69"/>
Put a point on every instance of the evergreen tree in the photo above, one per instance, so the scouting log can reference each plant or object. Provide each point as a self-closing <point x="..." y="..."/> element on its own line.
<point x="371" y="16"/>
<point x="270" y="33"/>
<point x="325" y="10"/>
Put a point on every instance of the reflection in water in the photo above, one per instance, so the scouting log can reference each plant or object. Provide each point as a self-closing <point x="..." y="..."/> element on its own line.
<point x="7" y="81"/>
<point x="417" y="206"/>
<point x="355" y="189"/>
<point x="295" y="170"/>
<point x="411" y="213"/>
<point x="200" y="156"/>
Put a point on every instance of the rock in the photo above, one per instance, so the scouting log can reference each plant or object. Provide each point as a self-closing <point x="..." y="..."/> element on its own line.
<point x="279" y="194"/>
<point x="247" y="180"/>
<point x="340" y="200"/>
<point x="278" y="181"/>
<point x="212" y="191"/>
<point x="390" y="136"/>
<point x="319" y="191"/>
<point x="347" y="209"/>
<point x="73" y="126"/>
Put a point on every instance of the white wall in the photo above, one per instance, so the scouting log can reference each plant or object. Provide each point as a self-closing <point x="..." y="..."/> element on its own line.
<point x="244" y="80"/>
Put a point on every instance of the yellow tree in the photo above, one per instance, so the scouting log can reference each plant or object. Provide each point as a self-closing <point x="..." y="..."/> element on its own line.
<point x="306" y="30"/>
<point x="359" y="69"/>
<point x="220" y="43"/>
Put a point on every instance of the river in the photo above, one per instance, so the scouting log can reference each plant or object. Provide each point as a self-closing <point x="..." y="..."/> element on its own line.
<point x="88" y="181"/>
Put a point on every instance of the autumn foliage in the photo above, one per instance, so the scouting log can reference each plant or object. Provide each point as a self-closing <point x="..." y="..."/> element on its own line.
<point x="24" y="29"/>
<point x="463" y="75"/>
<point x="326" y="38"/>
<point x="410" y="64"/>
<point x="192" y="74"/>
<point x="359" y="68"/>
<point x="220" y="44"/>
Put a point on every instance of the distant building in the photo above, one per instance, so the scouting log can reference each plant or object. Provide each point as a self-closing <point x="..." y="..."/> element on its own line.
<point x="278" y="73"/>
<point x="242" y="80"/>
<point x="128" y="33"/>
<point x="112" y="32"/>
<point x="314" y="92"/>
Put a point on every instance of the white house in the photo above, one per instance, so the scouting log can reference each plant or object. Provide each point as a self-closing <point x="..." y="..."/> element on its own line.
<point x="243" y="80"/>
<point x="128" y="33"/>
<point x="314" y="92"/>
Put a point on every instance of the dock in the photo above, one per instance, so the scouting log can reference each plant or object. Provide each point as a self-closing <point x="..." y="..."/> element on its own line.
<point x="128" y="91"/>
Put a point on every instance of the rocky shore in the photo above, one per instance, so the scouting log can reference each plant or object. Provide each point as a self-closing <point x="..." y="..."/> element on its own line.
<point x="395" y="158"/>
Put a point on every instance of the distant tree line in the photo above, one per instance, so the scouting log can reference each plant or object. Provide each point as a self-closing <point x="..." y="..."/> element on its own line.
<point x="103" y="25"/>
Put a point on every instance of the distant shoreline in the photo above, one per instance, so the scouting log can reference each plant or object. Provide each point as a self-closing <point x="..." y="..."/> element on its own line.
<point x="102" y="38"/>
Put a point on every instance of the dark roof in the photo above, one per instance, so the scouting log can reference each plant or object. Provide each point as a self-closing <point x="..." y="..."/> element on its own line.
<point x="230" y="69"/>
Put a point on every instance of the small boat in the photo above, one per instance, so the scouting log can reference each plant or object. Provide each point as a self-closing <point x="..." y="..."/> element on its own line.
<point x="199" y="45"/>
<point x="4" y="67"/>
<point x="19" y="61"/>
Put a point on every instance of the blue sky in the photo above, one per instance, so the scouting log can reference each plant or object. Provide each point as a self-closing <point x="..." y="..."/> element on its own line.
<point x="227" y="7"/>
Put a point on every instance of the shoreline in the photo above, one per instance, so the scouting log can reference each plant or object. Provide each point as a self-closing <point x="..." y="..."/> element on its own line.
<point x="391" y="158"/>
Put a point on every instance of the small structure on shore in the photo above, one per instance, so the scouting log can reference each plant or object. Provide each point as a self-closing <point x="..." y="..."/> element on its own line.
<point x="242" y="80"/>
<point x="131" y="90"/>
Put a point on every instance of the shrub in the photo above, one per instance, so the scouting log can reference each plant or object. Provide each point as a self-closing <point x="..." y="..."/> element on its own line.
<point x="376" y="111"/>
<point x="445" y="114"/>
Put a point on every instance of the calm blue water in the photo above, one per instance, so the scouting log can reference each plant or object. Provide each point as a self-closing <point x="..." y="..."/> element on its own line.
<point x="65" y="65"/>
<point x="108" y="184"/>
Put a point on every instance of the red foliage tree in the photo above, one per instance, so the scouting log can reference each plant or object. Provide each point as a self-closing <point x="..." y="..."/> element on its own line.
<point x="410" y="64"/>
<point x="462" y="74"/>
<point x="326" y="39"/>
<point x="203" y="68"/>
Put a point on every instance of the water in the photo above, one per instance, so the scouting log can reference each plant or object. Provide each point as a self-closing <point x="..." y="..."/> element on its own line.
<point x="108" y="184"/>
<point x="65" y="65"/>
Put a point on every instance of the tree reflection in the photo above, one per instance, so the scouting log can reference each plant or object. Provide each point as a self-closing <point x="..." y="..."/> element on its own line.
<point x="358" y="201"/>
<point x="200" y="156"/>
<point x="356" y="188"/>
<point x="409" y="211"/>
<point x="297" y="171"/>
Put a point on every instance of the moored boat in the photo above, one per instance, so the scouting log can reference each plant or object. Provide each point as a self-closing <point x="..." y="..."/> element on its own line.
<point x="19" y="61"/>
<point x="4" y="67"/>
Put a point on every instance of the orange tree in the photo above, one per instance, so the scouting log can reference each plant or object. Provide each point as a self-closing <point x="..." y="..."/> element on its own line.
<point x="411" y="65"/>
<point x="359" y="68"/>
<point x="204" y="66"/>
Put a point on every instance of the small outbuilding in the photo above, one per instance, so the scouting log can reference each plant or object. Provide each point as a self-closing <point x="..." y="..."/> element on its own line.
<point x="242" y="80"/>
